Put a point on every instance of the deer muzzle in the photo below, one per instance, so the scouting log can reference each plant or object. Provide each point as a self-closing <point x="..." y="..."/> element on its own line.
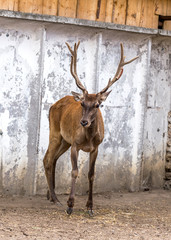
<point x="84" y="122"/>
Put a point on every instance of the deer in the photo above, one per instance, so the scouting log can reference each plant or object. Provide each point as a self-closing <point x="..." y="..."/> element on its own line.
<point x="76" y="121"/>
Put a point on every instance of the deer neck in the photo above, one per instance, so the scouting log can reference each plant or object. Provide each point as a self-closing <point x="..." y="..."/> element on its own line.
<point x="91" y="131"/>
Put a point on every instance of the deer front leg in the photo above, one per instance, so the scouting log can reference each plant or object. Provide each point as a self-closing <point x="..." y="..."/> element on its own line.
<point x="93" y="156"/>
<point x="74" y="174"/>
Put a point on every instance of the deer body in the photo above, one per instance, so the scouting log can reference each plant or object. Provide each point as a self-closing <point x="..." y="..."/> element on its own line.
<point x="65" y="116"/>
<point x="76" y="122"/>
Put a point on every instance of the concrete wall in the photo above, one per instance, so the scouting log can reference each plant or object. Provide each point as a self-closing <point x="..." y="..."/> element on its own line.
<point x="34" y="73"/>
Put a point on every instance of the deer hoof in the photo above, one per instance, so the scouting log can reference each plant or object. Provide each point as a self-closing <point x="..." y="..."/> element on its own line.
<point x="69" y="210"/>
<point x="90" y="213"/>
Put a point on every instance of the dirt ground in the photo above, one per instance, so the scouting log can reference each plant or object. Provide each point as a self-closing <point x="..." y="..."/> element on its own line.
<point x="123" y="216"/>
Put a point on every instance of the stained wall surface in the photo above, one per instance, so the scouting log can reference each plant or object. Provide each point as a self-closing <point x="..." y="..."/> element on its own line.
<point x="35" y="73"/>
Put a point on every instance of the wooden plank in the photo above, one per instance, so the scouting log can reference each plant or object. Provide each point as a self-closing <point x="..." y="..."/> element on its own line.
<point x="168" y="11"/>
<point x="133" y="12"/>
<point x="25" y="6"/>
<point x="154" y="18"/>
<point x="109" y="11"/>
<point x="161" y="7"/>
<point x="4" y="5"/>
<point x="148" y="19"/>
<point x="37" y="6"/>
<point x="101" y="10"/>
<point x="167" y="25"/>
<point x="87" y="9"/>
<point x="31" y="6"/>
<point x="119" y="11"/>
<point x="67" y="8"/>
<point x="9" y="5"/>
<point x="13" y="5"/>
<point x="50" y="7"/>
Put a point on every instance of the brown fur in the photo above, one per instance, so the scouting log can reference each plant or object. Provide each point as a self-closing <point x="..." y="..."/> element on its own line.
<point x="65" y="131"/>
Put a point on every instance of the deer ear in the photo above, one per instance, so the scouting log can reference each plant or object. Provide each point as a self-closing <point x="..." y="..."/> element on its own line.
<point x="103" y="96"/>
<point x="78" y="96"/>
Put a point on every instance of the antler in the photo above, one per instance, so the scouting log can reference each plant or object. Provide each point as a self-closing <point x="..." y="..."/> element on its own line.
<point x="119" y="70"/>
<point x="73" y="67"/>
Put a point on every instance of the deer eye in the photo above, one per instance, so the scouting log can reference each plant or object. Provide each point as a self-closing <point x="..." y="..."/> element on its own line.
<point x="97" y="105"/>
<point x="82" y="104"/>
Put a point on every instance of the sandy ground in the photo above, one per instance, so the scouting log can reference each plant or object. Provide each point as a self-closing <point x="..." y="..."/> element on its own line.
<point x="123" y="216"/>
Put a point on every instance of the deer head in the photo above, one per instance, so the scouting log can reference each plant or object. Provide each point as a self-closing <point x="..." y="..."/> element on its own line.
<point x="91" y="102"/>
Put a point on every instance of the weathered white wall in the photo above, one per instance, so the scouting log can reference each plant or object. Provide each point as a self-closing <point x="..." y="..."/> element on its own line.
<point x="157" y="108"/>
<point x="35" y="73"/>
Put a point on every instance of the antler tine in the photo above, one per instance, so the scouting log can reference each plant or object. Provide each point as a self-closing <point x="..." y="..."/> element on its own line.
<point x="73" y="66"/>
<point x="119" y="70"/>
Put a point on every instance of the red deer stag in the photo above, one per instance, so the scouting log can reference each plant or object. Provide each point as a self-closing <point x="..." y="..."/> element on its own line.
<point x="76" y="121"/>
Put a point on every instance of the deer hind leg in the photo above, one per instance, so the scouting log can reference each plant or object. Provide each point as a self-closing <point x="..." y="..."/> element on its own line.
<point x="93" y="156"/>
<point x="60" y="149"/>
<point x="49" y="162"/>
<point x="74" y="174"/>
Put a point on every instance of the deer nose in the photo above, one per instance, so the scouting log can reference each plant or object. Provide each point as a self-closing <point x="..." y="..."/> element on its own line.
<point x="84" y="123"/>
